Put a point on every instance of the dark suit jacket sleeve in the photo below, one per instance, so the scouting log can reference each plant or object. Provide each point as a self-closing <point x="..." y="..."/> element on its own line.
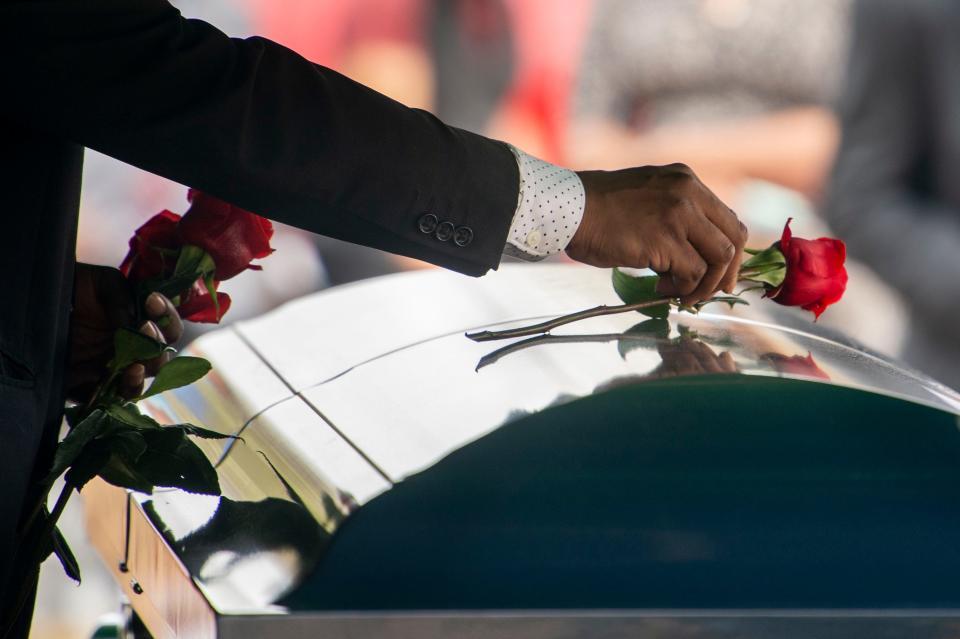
<point x="881" y="201"/>
<point x="255" y="124"/>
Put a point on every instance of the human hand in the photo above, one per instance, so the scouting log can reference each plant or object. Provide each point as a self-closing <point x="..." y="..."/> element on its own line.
<point x="665" y="219"/>
<point x="689" y="356"/>
<point x="104" y="302"/>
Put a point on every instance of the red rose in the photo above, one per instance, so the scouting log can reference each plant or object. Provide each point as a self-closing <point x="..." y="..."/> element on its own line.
<point x="154" y="248"/>
<point x="196" y="304"/>
<point x="231" y="236"/>
<point x="815" y="277"/>
<point x="795" y="365"/>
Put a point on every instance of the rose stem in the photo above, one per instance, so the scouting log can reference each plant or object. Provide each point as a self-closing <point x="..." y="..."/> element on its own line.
<point x="495" y="356"/>
<point x="46" y="531"/>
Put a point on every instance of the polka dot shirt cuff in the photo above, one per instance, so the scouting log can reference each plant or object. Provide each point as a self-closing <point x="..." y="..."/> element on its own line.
<point x="549" y="209"/>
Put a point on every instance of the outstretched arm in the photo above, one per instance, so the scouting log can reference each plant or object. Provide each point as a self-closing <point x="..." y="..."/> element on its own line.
<point x="256" y="124"/>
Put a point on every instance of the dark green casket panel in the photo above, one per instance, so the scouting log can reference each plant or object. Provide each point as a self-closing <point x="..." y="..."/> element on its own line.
<point x="696" y="493"/>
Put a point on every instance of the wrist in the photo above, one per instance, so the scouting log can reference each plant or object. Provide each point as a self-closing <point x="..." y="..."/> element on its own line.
<point x="549" y="210"/>
<point x="579" y="246"/>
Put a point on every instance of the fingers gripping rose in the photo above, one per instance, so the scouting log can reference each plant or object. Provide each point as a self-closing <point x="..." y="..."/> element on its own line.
<point x="172" y="271"/>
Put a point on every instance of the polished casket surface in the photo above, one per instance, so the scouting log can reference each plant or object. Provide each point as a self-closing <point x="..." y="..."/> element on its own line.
<point x="392" y="478"/>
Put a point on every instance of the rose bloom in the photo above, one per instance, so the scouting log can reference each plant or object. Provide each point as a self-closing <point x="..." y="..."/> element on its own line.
<point x="154" y="248"/>
<point x="196" y="304"/>
<point x="816" y="276"/>
<point x="230" y="235"/>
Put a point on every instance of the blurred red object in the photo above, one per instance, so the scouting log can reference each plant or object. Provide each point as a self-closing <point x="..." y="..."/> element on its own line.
<point x="548" y="36"/>
<point x="323" y="31"/>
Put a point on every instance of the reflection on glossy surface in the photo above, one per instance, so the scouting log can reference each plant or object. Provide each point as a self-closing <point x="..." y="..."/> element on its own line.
<point x="249" y="547"/>
<point x="246" y="555"/>
<point x="592" y="467"/>
<point x="433" y="410"/>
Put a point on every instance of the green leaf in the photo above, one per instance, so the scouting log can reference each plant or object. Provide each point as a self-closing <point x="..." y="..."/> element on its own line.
<point x="130" y="346"/>
<point x="74" y="443"/>
<point x="189" y="264"/>
<point x="128" y="444"/>
<point x="207" y="266"/>
<point x="180" y="371"/>
<point x="125" y="449"/>
<point x="768" y="266"/>
<point x="85" y="467"/>
<point x="211" y="286"/>
<point x="130" y="415"/>
<point x="120" y="472"/>
<point x="173" y="460"/>
<point x="655" y="329"/>
<point x="772" y="276"/>
<point x="633" y="290"/>
<point x="659" y="328"/>
<point x="205" y="433"/>
<point x="771" y="256"/>
<point x="170" y="287"/>
<point x="62" y="550"/>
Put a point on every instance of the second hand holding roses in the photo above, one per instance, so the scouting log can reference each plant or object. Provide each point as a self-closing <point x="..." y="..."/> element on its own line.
<point x="213" y="241"/>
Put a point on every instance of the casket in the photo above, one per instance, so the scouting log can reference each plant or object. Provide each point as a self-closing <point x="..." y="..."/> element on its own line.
<point x="728" y="474"/>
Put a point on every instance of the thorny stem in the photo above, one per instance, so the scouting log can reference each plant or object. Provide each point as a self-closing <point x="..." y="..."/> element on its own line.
<point x="98" y="392"/>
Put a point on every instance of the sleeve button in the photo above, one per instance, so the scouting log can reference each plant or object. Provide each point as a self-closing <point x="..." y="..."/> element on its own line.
<point x="428" y="223"/>
<point x="463" y="236"/>
<point x="533" y="239"/>
<point x="444" y="231"/>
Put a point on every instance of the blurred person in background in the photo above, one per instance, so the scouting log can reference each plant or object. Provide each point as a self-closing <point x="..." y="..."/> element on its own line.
<point x="740" y="89"/>
<point x="895" y="192"/>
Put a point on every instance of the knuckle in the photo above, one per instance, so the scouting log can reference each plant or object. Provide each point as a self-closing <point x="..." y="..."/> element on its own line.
<point x="697" y="271"/>
<point x="659" y="262"/>
<point x="680" y="167"/>
<point x="727" y="251"/>
<point x="677" y="225"/>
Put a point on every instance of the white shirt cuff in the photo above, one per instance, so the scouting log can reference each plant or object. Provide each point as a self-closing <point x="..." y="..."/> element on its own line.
<point x="549" y="209"/>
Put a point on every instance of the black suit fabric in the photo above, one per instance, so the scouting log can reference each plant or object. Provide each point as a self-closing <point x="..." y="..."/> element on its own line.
<point x="245" y="120"/>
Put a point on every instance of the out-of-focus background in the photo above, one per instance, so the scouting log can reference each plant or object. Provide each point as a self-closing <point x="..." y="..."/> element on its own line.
<point x="838" y="113"/>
